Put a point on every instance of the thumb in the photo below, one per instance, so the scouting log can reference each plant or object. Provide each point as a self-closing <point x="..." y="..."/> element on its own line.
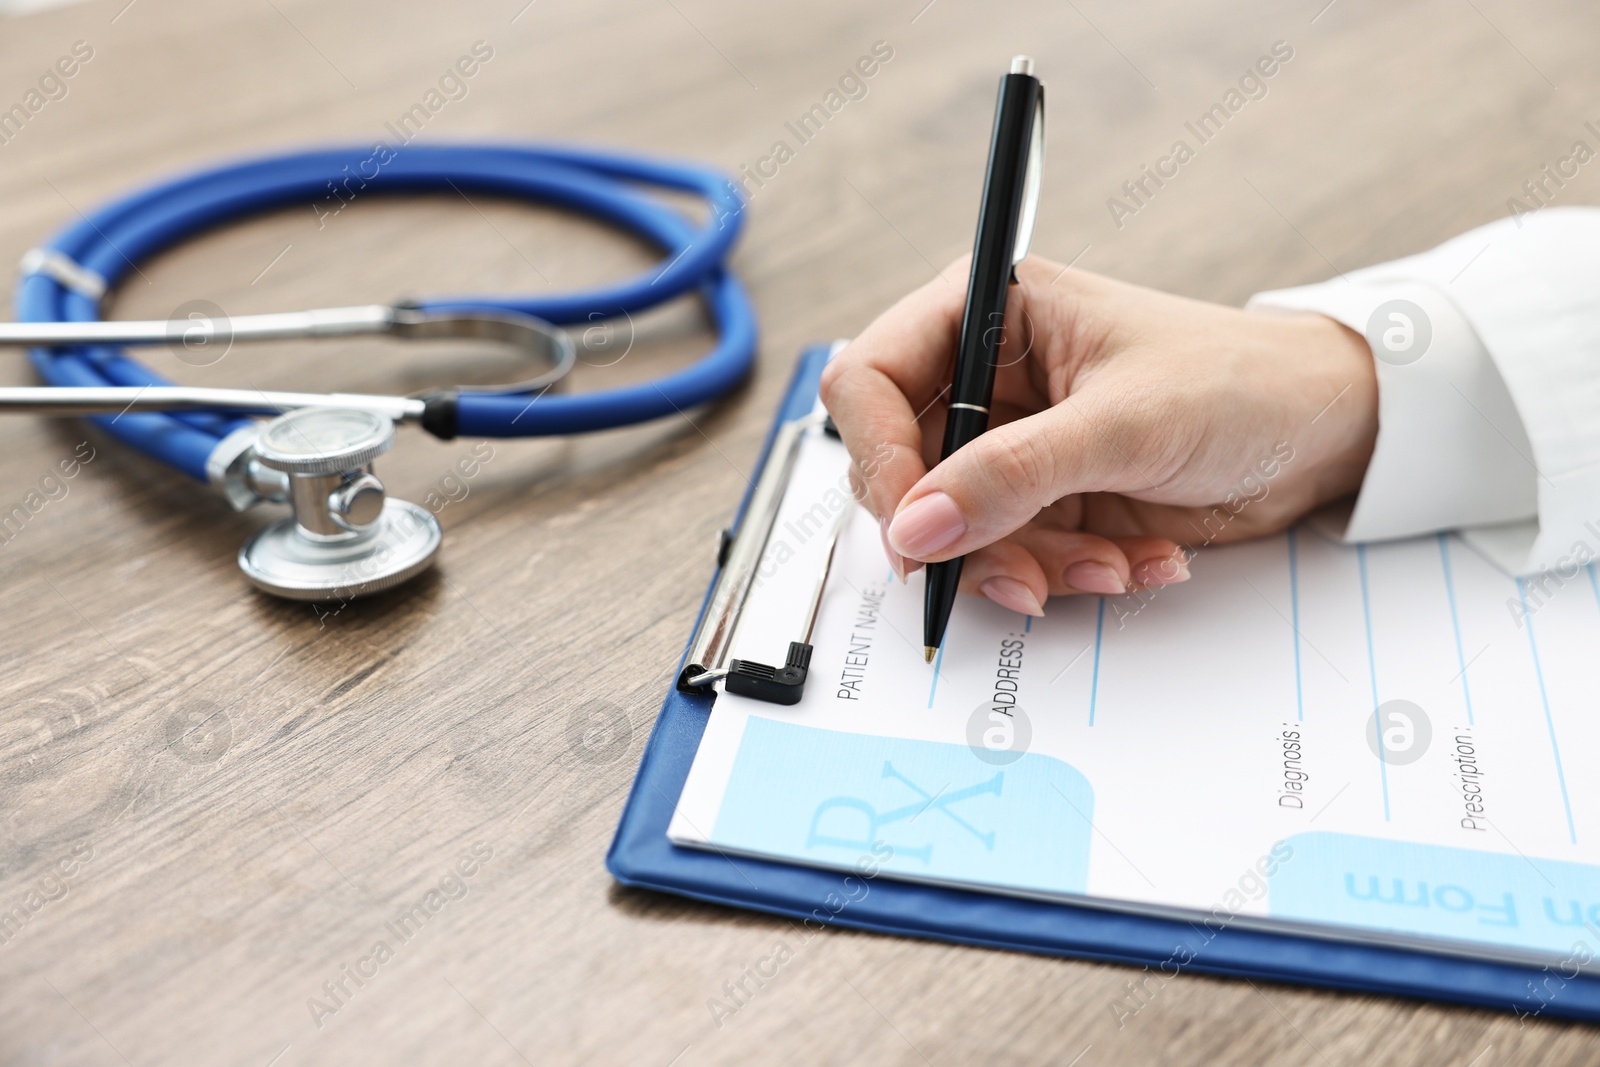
<point x="996" y="484"/>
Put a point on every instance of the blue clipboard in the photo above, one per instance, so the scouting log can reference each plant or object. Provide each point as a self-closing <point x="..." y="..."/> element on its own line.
<point x="642" y="856"/>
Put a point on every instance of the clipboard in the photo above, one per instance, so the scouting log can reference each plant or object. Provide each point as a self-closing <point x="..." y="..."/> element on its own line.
<point x="642" y="856"/>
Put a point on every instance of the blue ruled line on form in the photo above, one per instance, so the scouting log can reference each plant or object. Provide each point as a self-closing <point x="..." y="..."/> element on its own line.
<point x="1455" y="623"/>
<point x="1094" y="684"/>
<point x="1544" y="697"/>
<point x="1372" y="672"/>
<point x="1294" y="624"/>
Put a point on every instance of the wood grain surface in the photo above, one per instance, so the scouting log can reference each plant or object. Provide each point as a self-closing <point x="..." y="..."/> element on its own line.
<point x="488" y="719"/>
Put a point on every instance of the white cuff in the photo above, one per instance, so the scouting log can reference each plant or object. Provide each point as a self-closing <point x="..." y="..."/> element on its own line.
<point x="1451" y="450"/>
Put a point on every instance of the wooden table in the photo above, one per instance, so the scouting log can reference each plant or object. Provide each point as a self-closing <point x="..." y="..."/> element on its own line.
<point x="354" y="762"/>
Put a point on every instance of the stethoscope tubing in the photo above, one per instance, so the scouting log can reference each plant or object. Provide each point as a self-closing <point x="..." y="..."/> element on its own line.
<point x="110" y="241"/>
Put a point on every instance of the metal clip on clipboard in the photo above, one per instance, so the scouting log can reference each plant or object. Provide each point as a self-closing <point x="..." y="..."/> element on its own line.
<point x="740" y="556"/>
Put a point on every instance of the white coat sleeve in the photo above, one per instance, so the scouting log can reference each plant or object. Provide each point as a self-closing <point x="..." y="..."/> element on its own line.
<point x="1488" y="360"/>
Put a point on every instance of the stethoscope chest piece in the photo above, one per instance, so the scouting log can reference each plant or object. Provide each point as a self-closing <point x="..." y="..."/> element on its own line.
<point x="347" y="537"/>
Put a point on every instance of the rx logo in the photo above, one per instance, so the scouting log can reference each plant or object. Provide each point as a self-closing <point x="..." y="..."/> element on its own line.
<point x="836" y="814"/>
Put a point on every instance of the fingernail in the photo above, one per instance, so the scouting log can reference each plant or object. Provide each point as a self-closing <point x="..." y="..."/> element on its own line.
<point x="1158" y="572"/>
<point x="896" y="560"/>
<point x="927" y="526"/>
<point x="1012" y="594"/>
<point x="1092" y="576"/>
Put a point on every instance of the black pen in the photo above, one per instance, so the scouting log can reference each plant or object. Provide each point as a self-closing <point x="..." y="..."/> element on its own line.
<point x="1005" y="227"/>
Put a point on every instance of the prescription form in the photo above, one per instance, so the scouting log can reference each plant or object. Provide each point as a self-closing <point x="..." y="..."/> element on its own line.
<point x="1388" y="743"/>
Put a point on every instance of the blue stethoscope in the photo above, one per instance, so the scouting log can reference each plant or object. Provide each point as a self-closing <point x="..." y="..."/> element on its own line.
<point x="346" y="537"/>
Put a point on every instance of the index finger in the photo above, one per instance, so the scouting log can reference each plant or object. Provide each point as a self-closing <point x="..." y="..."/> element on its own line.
<point x="881" y="384"/>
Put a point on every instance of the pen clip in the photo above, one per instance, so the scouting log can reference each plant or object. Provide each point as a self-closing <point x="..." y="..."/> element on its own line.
<point x="1035" y="173"/>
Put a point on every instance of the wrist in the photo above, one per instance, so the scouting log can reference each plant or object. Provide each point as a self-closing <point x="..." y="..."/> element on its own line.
<point x="1343" y="398"/>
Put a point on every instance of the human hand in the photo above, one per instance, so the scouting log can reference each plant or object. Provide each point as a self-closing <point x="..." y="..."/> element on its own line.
<point x="1128" y="427"/>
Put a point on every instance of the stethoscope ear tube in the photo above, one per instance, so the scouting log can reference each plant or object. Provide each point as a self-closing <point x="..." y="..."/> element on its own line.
<point x="532" y="337"/>
<point x="71" y="271"/>
<point x="548" y="346"/>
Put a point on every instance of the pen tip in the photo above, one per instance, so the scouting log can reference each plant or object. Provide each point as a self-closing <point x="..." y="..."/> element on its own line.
<point x="928" y="653"/>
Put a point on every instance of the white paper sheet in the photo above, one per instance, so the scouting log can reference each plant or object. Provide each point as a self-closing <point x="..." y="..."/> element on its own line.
<point x="1206" y="750"/>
